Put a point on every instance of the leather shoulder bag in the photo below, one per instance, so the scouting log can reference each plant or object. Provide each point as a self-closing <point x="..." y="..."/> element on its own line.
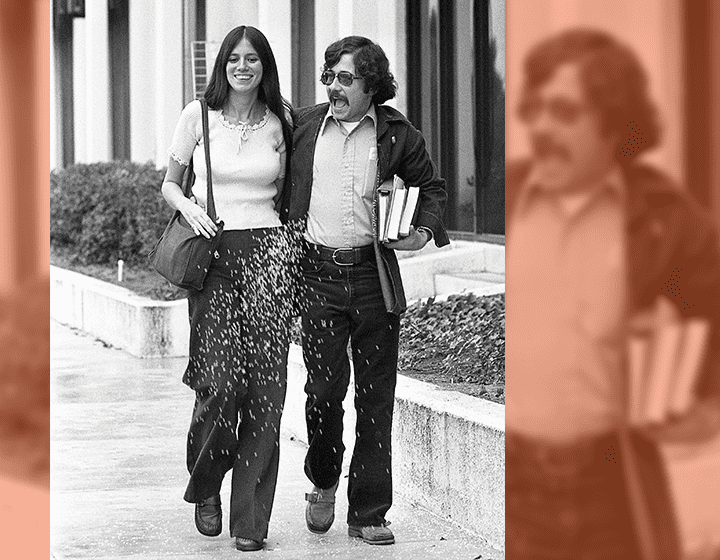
<point x="180" y="255"/>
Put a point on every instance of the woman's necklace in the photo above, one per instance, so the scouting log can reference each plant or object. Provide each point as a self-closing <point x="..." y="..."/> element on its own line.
<point x="236" y="120"/>
<point x="244" y="127"/>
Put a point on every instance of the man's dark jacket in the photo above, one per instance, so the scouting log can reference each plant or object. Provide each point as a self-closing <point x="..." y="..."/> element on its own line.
<point x="669" y="237"/>
<point x="401" y="151"/>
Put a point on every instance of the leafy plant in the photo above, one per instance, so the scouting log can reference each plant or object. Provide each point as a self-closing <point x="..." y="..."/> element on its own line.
<point x="102" y="212"/>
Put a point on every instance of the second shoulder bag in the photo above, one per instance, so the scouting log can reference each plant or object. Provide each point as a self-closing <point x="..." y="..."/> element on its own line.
<point x="180" y="255"/>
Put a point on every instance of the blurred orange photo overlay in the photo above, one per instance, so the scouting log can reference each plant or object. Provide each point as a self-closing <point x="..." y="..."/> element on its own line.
<point x="24" y="278"/>
<point x="612" y="217"/>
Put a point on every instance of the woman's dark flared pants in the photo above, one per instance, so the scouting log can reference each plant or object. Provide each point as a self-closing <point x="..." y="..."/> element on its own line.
<point x="239" y="344"/>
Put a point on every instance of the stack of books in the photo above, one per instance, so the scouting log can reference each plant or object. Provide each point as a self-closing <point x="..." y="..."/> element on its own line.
<point x="665" y="358"/>
<point x="396" y="208"/>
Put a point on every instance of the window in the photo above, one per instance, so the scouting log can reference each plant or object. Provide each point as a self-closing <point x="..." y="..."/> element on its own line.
<point x="456" y="97"/>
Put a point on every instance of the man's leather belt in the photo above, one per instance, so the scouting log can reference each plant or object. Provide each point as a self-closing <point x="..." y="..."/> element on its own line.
<point x="342" y="256"/>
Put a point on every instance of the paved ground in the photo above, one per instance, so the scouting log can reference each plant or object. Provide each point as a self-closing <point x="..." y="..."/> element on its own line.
<point x="118" y="476"/>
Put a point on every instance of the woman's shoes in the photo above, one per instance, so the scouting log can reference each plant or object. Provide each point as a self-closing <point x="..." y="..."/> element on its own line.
<point x="208" y="520"/>
<point x="247" y="545"/>
<point x="208" y="516"/>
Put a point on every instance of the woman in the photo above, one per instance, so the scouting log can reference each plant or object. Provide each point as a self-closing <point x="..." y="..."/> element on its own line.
<point x="239" y="321"/>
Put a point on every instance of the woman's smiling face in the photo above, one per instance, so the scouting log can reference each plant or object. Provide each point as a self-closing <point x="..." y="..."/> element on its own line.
<point x="244" y="70"/>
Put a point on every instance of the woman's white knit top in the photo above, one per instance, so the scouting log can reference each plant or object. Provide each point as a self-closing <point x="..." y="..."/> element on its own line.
<point x="245" y="161"/>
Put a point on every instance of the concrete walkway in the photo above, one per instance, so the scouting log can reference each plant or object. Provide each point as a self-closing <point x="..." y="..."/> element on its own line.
<point x="118" y="474"/>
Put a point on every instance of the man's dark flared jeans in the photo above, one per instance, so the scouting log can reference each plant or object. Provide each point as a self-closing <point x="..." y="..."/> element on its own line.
<point x="345" y="303"/>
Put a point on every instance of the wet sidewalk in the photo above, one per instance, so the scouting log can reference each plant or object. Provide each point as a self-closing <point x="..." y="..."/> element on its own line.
<point x="118" y="474"/>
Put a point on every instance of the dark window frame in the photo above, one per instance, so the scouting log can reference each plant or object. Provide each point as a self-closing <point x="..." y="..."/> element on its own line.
<point x="119" y="66"/>
<point x="64" y="86"/>
<point x="305" y="68"/>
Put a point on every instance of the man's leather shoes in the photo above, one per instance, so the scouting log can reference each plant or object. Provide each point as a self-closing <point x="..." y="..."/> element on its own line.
<point x="320" y="510"/>
<point x="373" y="534"/>
<point x="247" y="545"/>
<point x="208" y="516"/>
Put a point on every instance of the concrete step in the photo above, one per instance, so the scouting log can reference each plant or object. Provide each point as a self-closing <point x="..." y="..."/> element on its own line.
<point x="419" y="268"/>
<point x="479" y="283"/>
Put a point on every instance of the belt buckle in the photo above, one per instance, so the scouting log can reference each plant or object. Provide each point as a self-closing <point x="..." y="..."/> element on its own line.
<point x="334" y="259"/>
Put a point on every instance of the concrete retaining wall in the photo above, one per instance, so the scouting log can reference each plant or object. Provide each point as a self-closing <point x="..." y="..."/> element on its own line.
<point x="141" y="326"/>
<point x="448" y="448"/>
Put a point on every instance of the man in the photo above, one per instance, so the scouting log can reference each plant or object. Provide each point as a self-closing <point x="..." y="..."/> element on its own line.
<point x="342" y="152"/>
<point x="593" y="239"/>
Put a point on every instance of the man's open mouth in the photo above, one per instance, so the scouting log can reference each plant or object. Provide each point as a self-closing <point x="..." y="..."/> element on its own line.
<point x="338" y="102"/>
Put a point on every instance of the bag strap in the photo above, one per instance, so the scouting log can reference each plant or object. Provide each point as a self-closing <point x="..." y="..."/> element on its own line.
<point x="206" y="138"/>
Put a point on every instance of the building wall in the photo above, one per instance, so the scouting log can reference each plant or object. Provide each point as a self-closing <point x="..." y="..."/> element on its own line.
<point x="143" y="51"/>
<point x="651" y="27"/>
<point x="96" y="82"/>
<point x="156" y="62"/>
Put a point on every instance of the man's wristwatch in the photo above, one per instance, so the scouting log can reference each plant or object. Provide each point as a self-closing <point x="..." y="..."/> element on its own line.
<point x="427" y="231"/>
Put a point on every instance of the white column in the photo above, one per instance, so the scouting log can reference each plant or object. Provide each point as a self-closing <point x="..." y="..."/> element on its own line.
<point x="380" y="28"/>
<point x="327" y="16"/>
<point x="399" y="66"/>
<point x="143" y="51"/>
<point x="97" y="84"/>
<point x="168" y="73"/>
<point x="274" y="20"/>
<point x="366" y="14"/>
<point x="346" y="15"/>
<point x="224" y="15"/>
<point x="80" y="90"/>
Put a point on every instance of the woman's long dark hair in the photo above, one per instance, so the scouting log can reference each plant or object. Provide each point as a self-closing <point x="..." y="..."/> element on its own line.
<point x="218" y="89"/>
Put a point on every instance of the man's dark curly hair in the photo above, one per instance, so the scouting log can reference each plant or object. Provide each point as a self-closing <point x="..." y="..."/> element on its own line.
<point x="613" y="78"/>
<point x="371" y="64"/>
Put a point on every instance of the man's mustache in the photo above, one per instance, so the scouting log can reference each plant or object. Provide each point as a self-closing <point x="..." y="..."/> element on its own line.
<point x="544" y="147"/>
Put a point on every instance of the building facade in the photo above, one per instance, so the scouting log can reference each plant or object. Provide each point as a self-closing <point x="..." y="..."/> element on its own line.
<point x="122" y="70"/>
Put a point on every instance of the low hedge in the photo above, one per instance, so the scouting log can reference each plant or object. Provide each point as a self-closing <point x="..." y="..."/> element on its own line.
<point x="102" y="212"/>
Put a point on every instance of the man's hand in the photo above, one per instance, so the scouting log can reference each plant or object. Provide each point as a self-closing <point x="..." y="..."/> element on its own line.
<point x="699" y="425"/>
<point x="413" y="242"/>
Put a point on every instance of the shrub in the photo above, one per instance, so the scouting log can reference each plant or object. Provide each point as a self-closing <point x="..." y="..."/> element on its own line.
<point x="105" y="211"/>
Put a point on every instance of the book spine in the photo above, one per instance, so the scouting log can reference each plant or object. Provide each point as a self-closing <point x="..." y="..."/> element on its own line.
<point x="397" y="202"/>
<point x="692" y="356"/>
<point x="664" y="359"/>
<point x="638" y="350"/>
<point x="413" y="193"/>
<point x="383" y="203"/>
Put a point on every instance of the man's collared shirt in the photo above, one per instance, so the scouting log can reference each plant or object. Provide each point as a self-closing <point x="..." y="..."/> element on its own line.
<point x="344" y="170"/>
<point x="568" y="283"/>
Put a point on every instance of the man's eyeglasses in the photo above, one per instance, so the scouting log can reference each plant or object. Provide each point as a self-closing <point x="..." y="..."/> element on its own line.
<point x="345" y="78"/>
<point x="562" y="110"/>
